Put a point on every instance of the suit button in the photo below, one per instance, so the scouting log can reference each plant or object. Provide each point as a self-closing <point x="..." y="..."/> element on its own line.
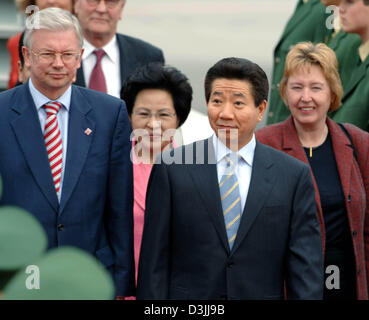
<point x="358" y="271"/>
<point x="60" y="227"/>
<point x="277" y="60"/>
<point x="230" y="264"/>
<point x="349" y="198"/>
<point x="354" y="233"/>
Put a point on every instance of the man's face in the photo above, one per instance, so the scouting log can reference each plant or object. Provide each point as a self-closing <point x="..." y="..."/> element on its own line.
<point x="50" y="76"/>
<point x="354" y="17"/>
<point x="99" y="18"/>
<point x="232" y="112"/>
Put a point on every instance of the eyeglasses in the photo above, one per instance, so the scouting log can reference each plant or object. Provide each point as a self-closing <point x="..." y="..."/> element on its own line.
<point x="147" y="115"/>
<point x="109" y="3"/>
<point x="50" y="56"/>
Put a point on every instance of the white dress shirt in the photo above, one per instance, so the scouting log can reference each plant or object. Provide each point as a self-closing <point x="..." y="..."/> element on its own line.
<point x="110" y="64"/>
<point x="243" y="169"/>
<point x="63" y="117"/>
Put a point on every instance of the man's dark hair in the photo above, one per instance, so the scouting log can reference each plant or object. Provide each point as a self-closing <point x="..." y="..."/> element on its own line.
<point x="239" y="69"/>
<point x="20" y="53"/>
<point x="366" y="2"/>
<point x="155" y="75"/>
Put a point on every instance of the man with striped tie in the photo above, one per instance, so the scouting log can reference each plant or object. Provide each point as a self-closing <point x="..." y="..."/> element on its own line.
<point x="228" y="217"/>
<point x="65" y="150"/>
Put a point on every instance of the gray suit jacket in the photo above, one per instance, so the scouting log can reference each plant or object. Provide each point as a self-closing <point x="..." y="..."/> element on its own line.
<point x="185" y="252"/>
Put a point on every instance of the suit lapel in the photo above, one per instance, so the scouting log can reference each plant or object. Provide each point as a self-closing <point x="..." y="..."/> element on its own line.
<point x="292" y="146"/>
<point x="205" y="178"/>
<point x="78" y="143"/>
<point x="343" y="152"/>
<point x="27" y="128"/>
<point x="123" y="59"/>
<point x="80" y="78"/>
<point x="262" y="180"/>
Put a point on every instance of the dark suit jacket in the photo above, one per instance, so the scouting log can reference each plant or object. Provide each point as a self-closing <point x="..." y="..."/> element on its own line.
<point x="185" y="252"/>
<point x="354" y="179"/>
<point x="134" y="53"/>
<point x="95" y="210"/>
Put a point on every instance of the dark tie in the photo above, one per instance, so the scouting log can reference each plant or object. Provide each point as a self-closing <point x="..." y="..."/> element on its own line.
<point x="97" y="79"/>
<point x="53" y="142"/>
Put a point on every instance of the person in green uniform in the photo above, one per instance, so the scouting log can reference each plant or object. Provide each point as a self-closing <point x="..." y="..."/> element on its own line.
<point x="355" y="101"/>
<point x="308" y="23"/>
<point x="344" y="45"/>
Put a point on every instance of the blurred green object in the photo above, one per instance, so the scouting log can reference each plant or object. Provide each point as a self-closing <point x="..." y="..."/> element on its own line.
<point x="22" y="240"/>
<point x="65" y="273"/>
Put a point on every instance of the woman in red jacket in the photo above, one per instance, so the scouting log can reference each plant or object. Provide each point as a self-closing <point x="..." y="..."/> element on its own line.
<point x="338" y="157"/>
<point x="13" y="42"/>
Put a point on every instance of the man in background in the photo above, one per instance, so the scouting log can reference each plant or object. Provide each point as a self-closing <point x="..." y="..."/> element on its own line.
<point x="109" y="57"/>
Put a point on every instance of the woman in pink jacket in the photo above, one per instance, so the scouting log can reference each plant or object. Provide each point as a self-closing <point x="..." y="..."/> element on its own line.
<point x="158" y="100"/>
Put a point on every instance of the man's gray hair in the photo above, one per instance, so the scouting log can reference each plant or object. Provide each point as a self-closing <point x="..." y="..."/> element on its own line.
<point x="52" y="19"/>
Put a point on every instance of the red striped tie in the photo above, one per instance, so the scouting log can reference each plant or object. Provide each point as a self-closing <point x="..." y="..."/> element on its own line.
<point x="53" y="142"/>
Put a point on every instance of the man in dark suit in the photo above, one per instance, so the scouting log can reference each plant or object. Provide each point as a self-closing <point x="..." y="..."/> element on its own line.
<point x="228" y="217"/>
<point x="122" y="54"/>
<point x="64" y="151"/>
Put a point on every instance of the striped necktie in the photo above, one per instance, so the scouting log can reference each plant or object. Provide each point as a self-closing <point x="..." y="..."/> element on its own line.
<point x="53" y="142"/>
<point x="231" y="201"/>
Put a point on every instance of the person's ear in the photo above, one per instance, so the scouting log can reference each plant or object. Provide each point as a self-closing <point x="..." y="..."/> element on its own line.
<point x="262" y="108"/>
<point x="27" y="56"/>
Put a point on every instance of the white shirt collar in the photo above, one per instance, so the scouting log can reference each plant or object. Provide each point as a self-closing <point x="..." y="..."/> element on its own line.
<point x="246" y="152"/>
<point x="40" y="99"/>
<point x="109" y="48"/>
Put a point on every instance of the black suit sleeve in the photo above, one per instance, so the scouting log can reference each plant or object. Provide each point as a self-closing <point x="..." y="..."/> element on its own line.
<point x="153" y="269"/>
<point x="305" y="271"/>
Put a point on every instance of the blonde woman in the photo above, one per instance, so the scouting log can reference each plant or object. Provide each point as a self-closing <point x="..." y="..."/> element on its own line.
<point x="338" y="159"/>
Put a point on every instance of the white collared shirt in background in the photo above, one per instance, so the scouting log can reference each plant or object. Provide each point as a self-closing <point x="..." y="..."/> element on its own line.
<point x="63" y="117"/>
<point x="110" y="64"/>
<point x="243" y="169"/>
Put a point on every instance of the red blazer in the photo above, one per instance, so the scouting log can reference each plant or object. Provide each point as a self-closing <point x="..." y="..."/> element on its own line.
<point x="354" y="179"/>
<point x="12" y="45"/>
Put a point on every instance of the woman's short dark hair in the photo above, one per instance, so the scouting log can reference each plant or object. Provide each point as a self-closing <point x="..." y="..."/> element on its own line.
<point x="158" y="76"/>
<point x="239" y="69"/>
